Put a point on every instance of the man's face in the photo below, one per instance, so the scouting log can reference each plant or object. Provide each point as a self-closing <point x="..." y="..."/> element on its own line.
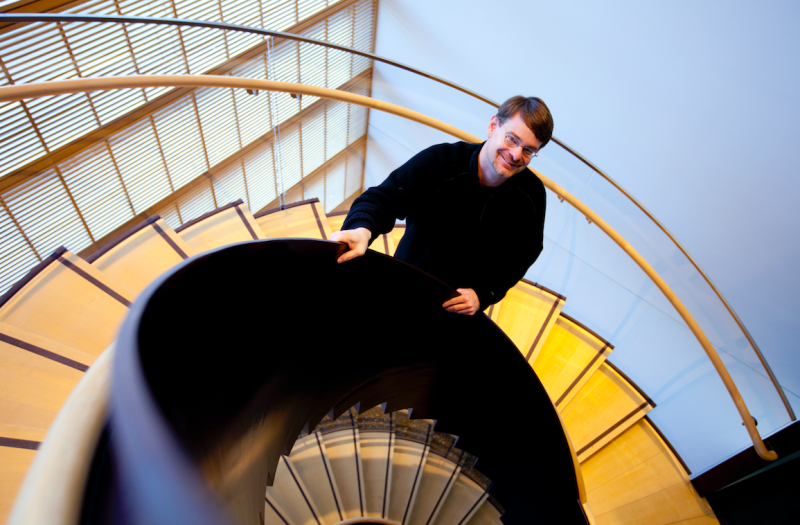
<point x="502" y="160"/>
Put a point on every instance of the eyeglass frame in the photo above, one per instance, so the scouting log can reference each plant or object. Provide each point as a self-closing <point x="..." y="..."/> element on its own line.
<point x="512" y="141"/>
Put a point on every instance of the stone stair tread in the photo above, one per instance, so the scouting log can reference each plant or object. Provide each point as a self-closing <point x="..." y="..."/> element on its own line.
<point x="489" y="513"/>
<point x="343" y="448"/>
<point x="462" y="502"/>
<point x="438" y="477"/>
<point x="290" y="492"/>
<point x="407" y="468"/>
<point x="312" y="465"/>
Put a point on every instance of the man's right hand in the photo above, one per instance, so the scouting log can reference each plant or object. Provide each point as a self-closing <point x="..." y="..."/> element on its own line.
<point x="357" y="240"/>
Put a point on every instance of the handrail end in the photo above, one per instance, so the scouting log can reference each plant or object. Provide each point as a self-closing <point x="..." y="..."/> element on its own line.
<point x="766" y="454"/>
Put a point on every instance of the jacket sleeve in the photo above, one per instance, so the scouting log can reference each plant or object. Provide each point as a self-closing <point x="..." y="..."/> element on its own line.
<point x="378" y="208"/>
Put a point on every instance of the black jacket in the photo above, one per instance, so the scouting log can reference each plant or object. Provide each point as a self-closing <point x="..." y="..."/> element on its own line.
<point x="466" y="234"/>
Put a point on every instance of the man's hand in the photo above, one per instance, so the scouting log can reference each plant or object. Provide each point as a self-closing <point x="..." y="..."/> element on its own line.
<point x="467" y="303"/>
<point x="357" y="240"/>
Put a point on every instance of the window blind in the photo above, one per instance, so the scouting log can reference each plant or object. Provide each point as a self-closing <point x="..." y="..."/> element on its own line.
<point x="214" y="145"/>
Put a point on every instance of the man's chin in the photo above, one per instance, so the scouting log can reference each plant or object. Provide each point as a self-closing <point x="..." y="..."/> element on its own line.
<point x="508" y="173"/>
<point x="504" y="171"/>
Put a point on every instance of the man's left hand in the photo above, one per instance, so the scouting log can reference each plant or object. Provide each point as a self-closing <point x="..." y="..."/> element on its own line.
<point x="467" y="303"/>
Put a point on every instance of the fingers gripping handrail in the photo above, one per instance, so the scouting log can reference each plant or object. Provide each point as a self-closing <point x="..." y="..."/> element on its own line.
<point x="41" y="89"/>
<point x="119" y="19"/>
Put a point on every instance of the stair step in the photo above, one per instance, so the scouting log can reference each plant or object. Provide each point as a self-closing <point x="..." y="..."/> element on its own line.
<point x="141" y="254"/>
<point x="383" y="244"/>
<point x="568" y="358"/>
<point x="300" y="219"/>
<point x="336" y="220"/>
<point x="290" y="493"/>
<point x="487" y="514"/>
<point x="228" y="224"/>
<point x="376" y="433"/>
<point x="407" y="467"/>
<point x="527" y="314"/>
<point x="608" y="404"/>
<point x="463" y="501"/>
<point x="411" y="449"/>
<point x="438" y="478"/>
<point x="343" y="448"/>
<point x="18" y="446"/>
<point x="68" y="301"/>
<point x="638" y="478"/>
<point x="312" y="465"/>
<point x="274" y="513"/>
<point x="407" y="470"/>
<point x="37" y="375"/>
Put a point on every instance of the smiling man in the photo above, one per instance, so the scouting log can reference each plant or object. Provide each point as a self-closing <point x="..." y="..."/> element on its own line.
<point x="474" y="213"/>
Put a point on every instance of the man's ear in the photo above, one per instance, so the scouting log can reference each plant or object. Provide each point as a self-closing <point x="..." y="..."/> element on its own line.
<point x="492" y="125"/>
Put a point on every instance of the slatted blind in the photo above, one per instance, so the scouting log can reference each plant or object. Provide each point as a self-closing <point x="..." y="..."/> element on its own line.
<point x="310" y="169"/>
<point x="216" y="145"/>
<point x="47" y="51"/>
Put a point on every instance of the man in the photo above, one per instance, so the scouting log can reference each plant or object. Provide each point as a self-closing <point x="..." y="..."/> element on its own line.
<point x="474" y="213"/>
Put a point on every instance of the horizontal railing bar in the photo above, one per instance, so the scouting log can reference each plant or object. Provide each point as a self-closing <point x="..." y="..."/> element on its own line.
<point x="117" y="19"/>
<point x="42" y="89"/>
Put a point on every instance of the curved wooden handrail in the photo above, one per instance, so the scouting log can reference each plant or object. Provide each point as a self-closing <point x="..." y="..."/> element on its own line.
<point x="120" y="19"/>
<point x="41" y="89"/>
<point x="53" y="488"/>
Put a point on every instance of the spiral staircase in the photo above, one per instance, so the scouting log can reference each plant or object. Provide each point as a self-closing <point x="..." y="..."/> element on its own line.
<point x="365" y="463"/>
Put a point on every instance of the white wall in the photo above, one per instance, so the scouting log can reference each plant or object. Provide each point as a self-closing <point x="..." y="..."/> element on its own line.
<point x="692" y="107"/>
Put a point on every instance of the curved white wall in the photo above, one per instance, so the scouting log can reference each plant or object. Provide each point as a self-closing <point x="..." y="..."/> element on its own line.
<point x="691" y="107"/>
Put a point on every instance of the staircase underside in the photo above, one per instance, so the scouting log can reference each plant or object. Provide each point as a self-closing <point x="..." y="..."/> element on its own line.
<point x="632" y="475"/>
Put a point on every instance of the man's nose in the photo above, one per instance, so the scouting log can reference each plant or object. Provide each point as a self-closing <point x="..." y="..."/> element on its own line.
<point x="516" y="153"/>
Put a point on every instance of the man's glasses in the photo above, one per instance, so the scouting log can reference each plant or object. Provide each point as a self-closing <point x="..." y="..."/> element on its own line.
<point x="513" y="142"/>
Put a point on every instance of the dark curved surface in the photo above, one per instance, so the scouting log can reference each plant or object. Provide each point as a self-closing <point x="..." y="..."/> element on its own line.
<point x="263" y="338"/>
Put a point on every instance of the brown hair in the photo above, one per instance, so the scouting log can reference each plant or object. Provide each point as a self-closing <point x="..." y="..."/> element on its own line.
<point x="533" y="111"/>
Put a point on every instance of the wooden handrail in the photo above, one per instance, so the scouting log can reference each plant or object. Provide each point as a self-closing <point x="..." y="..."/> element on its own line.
<point x="118" y="19"/>
<point x="59" y="87"/>
<point x="53" y="488"/>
